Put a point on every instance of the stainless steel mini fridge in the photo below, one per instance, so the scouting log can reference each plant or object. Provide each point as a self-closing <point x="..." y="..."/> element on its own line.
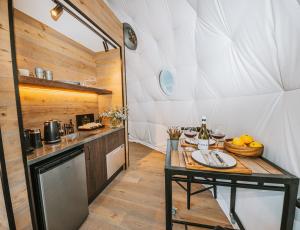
<point x="62" y="191"/>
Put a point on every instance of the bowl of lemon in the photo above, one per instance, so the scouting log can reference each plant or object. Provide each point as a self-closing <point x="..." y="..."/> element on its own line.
<point x="244" y="145"/>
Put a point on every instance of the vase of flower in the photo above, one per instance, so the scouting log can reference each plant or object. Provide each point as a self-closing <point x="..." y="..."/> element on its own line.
<point x="115" y="123"/>
<point x="116" y="116"/>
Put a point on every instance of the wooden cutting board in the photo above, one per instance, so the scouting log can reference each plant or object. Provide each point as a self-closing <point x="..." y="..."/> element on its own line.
<point x="185" y="159"/>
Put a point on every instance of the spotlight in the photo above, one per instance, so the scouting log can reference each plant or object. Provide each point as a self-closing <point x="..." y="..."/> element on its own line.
<point x="105" y="46"/>
<point x="56" y="12"/>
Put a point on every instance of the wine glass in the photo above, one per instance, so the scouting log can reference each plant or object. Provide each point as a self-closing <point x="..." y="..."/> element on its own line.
<point x="218" y="134"/>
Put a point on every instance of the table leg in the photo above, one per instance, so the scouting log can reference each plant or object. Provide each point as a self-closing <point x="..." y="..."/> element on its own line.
<point x="215" y="189"/>
<point x="232" y="203"/>
<point x="232" y="197"/>
<point x="188" y="193"/>
<point x="168" y="199"/>
<point x="289" y="206"/>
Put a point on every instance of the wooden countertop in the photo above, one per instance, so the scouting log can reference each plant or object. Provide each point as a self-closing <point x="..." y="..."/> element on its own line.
<point x="50" y="150"/>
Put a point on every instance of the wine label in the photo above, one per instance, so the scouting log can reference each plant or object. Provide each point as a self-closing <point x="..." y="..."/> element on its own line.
<point x="203" y="144"/>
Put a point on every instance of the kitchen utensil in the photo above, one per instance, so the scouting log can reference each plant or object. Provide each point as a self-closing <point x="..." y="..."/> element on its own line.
<point x="204" y="157"/>
<point x="28" y="147"/>
<point x="24" y="72"/>
<point x="51" y="131"/>
<point x="219" y="158"/>
<point x="39" y="72"/>
<point x="49" y="75"/>
<point x="35" y="138"/>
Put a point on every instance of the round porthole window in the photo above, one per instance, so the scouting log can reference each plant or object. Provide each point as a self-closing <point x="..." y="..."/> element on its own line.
<point x="166" y="82"/>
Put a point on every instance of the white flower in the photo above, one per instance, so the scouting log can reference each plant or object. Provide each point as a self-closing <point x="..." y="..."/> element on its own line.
<point x="117" y="113"/>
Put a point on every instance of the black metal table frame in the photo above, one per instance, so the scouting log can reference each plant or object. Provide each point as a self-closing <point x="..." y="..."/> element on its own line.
<point x="285" y="182"/>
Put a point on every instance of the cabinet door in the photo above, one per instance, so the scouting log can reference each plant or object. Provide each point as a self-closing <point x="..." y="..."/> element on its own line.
<point x="121" y="136"/>
<point x="100" y="164"/>
<point x="95" y="166"/>
<point x="89" y="150"/>
<point x="112" y="141"/>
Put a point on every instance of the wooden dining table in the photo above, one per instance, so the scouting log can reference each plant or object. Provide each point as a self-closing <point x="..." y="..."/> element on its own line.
<point x="259" y="174"/>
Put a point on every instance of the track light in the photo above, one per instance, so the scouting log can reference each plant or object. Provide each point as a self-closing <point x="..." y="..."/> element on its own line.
<point x="105" y="46"/>
<point x="56" y="12"/>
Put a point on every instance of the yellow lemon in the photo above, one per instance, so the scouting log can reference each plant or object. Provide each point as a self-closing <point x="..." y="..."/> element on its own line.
<point x="247" y="139"/>
<point x="237" y="141"/>
<point x="255" y="144"/>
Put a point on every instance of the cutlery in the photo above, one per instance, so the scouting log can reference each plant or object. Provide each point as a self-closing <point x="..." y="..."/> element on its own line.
<point x="214" y="161"/>
<point x="205" y="158"/>
<point x="220" y="159"/>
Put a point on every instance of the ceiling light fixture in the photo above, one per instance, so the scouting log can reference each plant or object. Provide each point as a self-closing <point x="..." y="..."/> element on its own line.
<point x="105" y="45"/>
<point x="56" y="12"/>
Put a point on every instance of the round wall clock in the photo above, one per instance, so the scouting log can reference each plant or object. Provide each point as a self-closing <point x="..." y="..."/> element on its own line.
<point x="166" y="82"/>
<point x="130" y="38"/>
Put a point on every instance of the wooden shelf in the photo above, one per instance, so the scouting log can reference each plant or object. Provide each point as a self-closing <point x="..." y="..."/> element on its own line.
<point x="32" y="81"/>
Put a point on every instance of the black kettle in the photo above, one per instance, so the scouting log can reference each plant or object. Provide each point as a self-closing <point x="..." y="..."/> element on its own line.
<point x="51" y="131"/>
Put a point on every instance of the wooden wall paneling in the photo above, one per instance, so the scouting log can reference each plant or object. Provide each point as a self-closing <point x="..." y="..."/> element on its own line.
<point x="109" y="74"/>
<point x="39" y="105"/>
<point x="3" y="213"/>
<point x="40" y="45"/>
<point x="102" y="15"/>
<point x="56" y="52"/>
<point x="10" y="128"/>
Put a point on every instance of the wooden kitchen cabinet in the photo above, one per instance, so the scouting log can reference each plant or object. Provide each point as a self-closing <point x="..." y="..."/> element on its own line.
<point x="95" y="166"/>
<point x="112" y="141"/>
<point x="103" y="155"/>
<point x="97" y="152"/>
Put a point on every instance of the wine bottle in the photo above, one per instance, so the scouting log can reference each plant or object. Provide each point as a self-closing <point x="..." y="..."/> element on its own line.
<point x="203" y="135"/>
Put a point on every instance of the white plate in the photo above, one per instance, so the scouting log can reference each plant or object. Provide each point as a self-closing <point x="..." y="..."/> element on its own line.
<point x="209" y="158"/>
<point x="189" y="149"/>
<point x="194" y="141"/>
<point x="212" y="141"/>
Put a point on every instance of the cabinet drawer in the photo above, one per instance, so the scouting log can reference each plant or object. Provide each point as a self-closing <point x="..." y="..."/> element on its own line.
<point x="114" y="160"/>
<point x="112" y="141"/>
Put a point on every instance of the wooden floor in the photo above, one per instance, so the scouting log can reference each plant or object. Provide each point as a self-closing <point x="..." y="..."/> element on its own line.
<point x="135" y="199"/>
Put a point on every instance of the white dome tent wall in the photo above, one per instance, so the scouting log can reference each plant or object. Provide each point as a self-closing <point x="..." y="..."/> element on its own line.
<point x="237" y="62"/>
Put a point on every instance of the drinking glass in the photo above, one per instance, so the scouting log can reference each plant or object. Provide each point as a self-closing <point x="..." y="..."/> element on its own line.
<point x="218" y="133"/>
